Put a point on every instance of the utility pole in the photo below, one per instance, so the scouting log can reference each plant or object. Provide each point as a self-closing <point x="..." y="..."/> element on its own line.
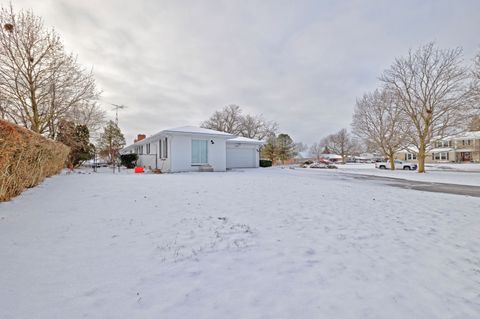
<point x="116" y="108"/>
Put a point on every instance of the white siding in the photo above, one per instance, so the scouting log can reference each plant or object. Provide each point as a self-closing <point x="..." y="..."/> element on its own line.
<point x="181" y="153"/>
<point x="148" y="161"/>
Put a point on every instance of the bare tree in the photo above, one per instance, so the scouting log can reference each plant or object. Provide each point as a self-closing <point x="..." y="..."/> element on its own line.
<point x="380" y="123"/>
<point x="300" y="147"/>
<point x="430" y="85"/>
<point x="475" y="124"/>
<point x="227" y="120"/>
<point x="88" y="114"/>
<point x="316" y="149"/>
<point x="3" y="106"/>
<point x="341" y="143"/>
<point x="39" y="80"/>
<point x="231" y="120"/>
<point x="476" y="81"/>
<point x="255" y="126"/>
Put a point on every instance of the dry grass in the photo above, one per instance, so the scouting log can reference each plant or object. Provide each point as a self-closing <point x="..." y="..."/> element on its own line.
<point x="26" y="158"/>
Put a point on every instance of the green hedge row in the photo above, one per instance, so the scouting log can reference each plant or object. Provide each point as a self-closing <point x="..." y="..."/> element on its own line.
<point x="265" y="163"/>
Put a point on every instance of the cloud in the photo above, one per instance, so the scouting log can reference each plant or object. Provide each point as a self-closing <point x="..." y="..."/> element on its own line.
<point x="300" y="63"/>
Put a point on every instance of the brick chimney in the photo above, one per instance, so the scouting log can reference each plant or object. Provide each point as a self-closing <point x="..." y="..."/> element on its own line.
<point x="139" y="138"/>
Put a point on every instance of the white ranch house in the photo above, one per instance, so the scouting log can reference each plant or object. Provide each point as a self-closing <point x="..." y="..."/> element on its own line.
<point x="191" y="148"/>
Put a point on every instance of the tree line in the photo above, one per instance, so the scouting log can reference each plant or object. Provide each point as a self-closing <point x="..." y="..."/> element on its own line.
<point x="45" y="89"/>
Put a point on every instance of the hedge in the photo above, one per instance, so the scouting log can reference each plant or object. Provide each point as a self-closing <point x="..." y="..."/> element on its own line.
<point x="265" y="163"/>
<point x="26" y="158"/>
<point x="129" y="160"/>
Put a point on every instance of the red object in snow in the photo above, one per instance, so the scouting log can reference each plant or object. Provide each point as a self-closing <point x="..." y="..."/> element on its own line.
<point x="139" y="169"/>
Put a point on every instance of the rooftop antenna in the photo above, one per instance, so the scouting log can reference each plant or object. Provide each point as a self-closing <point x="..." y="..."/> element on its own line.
<point x="116" y="108"/>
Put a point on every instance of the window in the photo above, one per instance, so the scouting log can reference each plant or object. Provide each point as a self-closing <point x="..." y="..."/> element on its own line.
<point x="442" y="156"/>
<point x="199" y="152"/>
<point x="160" y="149"/>
<point x="165" y="148"/>
<point x="140" y="149"/>
<point x="411" y="156"/>
<point x="443" y="144"/>
<point x="148" y="148"/>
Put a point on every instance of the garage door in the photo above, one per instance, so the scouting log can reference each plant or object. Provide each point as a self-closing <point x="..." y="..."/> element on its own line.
<point x="241" y="157"/>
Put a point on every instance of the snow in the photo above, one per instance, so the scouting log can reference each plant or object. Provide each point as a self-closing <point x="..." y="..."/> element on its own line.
<point x="241" y="139"/>
<point x="330" y="156"/>
<point x="258" y="243"/>
<point x="469" y="135"/>
<point x="462" y="174"/>
<point x="196" y="130"/>
<point x="441" y="149"/>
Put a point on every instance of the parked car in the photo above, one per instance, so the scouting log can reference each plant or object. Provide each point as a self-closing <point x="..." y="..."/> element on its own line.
<point x="98" y="163"/>
<point x="398" y="165"/>
<point x="320" y="165"/>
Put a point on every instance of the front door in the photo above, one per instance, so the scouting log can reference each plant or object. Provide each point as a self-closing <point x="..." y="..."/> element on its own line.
<point x="466" y="156"/>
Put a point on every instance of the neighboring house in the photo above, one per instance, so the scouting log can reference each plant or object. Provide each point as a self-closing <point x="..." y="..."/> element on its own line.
<point x="331" y="157"/>
<point x="190" y="148"/>
<point x="460" y="148"/>
<point x="302" y="157"/>
<point x="367" y="158"/>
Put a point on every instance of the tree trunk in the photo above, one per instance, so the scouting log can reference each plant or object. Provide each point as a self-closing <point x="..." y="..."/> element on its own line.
<point x="391" y="158"/>
<point x="421" y="158"/>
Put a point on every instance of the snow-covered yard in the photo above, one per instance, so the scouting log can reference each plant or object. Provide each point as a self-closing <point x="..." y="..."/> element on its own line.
<point x="260" y="243"/>
<point x="462" y="174"/>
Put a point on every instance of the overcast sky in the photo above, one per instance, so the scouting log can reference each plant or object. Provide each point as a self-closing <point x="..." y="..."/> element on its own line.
<point x="299" y="63"/>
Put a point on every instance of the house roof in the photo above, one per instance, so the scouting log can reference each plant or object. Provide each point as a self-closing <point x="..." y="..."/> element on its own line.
<point x="469" y="135"/>
<point x="180" y="130"/>
<point x="460" y="136"/>
<point x="409" y="149"/>
<point x="244" y="140"/>
<point x="302" y="155"/>
<point x="330" y="156"/>
<point x="196" y="130"/>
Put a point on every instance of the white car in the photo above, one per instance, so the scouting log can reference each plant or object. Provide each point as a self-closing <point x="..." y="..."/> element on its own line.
<point x="398" y="165"/>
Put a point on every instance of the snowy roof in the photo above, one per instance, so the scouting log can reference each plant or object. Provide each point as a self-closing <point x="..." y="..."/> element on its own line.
<point x="245" y="140"/>
<point x="441" y="149"/>
<point x="181" y="130"/>
<point x="409" y="149"/>
<point x="459" y="136"/>
<point x="196" y="130"/>
<point x="330" y="156"/>
<point x="469" y="135"/>
<point x="303" y="155"/>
